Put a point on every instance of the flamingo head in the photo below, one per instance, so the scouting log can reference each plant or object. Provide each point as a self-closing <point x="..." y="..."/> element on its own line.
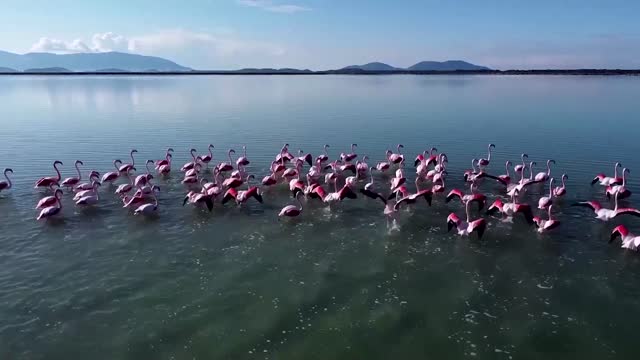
<point x="365" y="158"/>
<point x="169" y="150"/>
<point x="551" y="161"/>
<point x="389" y="152"/>
<point x="78" y="162"/>
<point x="492" y="145"/>
<point x="250" y="177"/>
<point x="618" y="165"/>
<point x="149" y="161"/>
<point x="211" y="146"/>
<point x="117" y="161"/>
<point x="57" y="162"/>
<point x="149" y="177"/>
<point x="400" y="146"/>
<point x="231" y="151"/>
<point x="192" y="151"/>
<point x="134" y="151"/>
<point x="433" y="150"/>
<point x="155" y="188"/>
<point x="8" y="170"/>
<point x="625" y="170"/>
<point x="58" y="193"/>
<point x="444" y="158"/>
<point x="169" y="156"/>
<point x="326" y="146"/>
<point x="524" y="156"/>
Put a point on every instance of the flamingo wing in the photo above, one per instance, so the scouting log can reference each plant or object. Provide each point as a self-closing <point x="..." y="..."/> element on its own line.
<point x="478" y="226"/>
<point x="253" y="192"/>
<point x="374" y="195"/>
<point x="426" y="194"/>
<point x="453" y="193"/>
<point x="230" y="194"/>
<point x="627" y="211"/>
<point x="525" y="210"/>
<point x="593" y="205"/>
<point x="497" y="206"/>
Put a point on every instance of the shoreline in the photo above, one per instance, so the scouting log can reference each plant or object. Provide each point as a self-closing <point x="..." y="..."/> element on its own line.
<point x="600" y="72"/>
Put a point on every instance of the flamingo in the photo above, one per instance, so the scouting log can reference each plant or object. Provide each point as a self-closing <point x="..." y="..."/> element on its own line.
<point x="560" y="191"/>
<point x="284" y="155"/>
<point x="362" y="167"/>
<point x="506" y="178"/>
<point x="50" y="181"/>
<point x="198" y="198"/>
<point x="465" y="198"/>
<point x="147" y="209"/>
<point x="291" y="210"/>
<point x="128" y="201"/>
<point x="605" y="180"/>
<point x="165" y="169"/>
<point x="125" y="188"/>
<point x="315" y="172"/>
<point x="243" y="161"/>
<point x="304" y="158"/>
<point x="49" y="200"/>
<point x="546" y="201"/>
<point x="411" y="199"/>
<point x="193" y="171"/>
<point x="352" y="155"/>
<point x="206" y="159"/>
<point x="52" y="210"/>
<point x="544" y="176"/>
<point x="442" y="161"/>
<point x="482" y="163"/>
<point x="89" y="199"/>
<point x="465" y="228"/>
<point x="191" y="164"/>
<point x="339" y="195"/>
<point x="296" y="185"/>
<point x="622" y="190"/>
<point x="126" y="167"/>
<point x="397" y="158"/>
<point x="112" y="175"/>
<point x="470" y="175"/>
<point x="629" y="240"/>
<point x="325" y="156"/>
<point x="141" y="180"/>
<point x="93" y="176"/>
<point x="233" y="182"/>
<point x="6" y="185"/>
<point x="520" y="167"/>
<point x="166" y="160"/>
<point x="607" y="214"/>
<point x="243" y="195"/>
<point x="93" y="191"/>
<point x="224" y="166"/>
<point x="512" y="208"/>
<point x="546" y="225"/>
<point x="73" y="181"/>
<point x="368" y="189"/>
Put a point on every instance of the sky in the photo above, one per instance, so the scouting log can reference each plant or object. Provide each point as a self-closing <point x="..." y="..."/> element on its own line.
<point x="329" y="34"/>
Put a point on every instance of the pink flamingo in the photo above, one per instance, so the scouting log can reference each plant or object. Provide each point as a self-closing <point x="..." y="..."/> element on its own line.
<point x="166" y="159"/>
<point x="482" y="163"/>
<point x="125" y="188"/>
<point x="206" y="159"/>
<point x="224" y="166"/>
<point x="465" y="228"/>
<point x="49" y="200"/>
<point x="147" y="209"/>
<point x="296" y="185"/>
<point x="546" y="225"/>
<point x="325" y="156"/>
<point x="243" y="161"/>
<point x="607" y="214"/>
<point x="510" y="209"/>
<point x="304" y="158"/>
<point x="89" y="199"/>
<point x="546" y="201"/>
<point x="411" y="199"/>
<point x="506" y="178"/>
<point x="193" y="171"/>
<point x="560" y="191"/>
<point x="629" y="240"/>
<point x="191" y="164"/>
<point x="315" y="172"/>
<point x="73" y="181"/>
<point x="243" y="195"/>
<point x="368" y="189"/>
<point x="383" y="166"/>
<point x="339" y="195"/>
<point x="544" y="176"/>
<point x="362" y="167"/>
<point x="284" y="155"/>
<point x="622" y="190"/>
<point x="443" y="160"/>
<point x="6" y="185"/>
<point x="141" y="180"/>
<point x="52" y="210"/>
<point x="93" y="191"/>
<point x="126" y="167"/>
<point x="165" y="169"/>
<point x="605" y="180"/>
<point x="520" y="167"/>
<point x="397" y="158"/>
<point x="465" y="198"/>
<point x="234" y="182"/>
<point x="93" y="176"/>
<point x="352" y="155"/>
<point x="128" y="201"/>
<point x="50" y="181"/>
<point x="291" y="210"/>
<point x="112" y="175"/>
<point x="198" y="198"/>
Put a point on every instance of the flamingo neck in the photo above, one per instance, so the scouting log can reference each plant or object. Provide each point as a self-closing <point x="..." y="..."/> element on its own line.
<point x="549" y="212"/>
<point x="624" y="178"/>
<point x="133" y="160"/>
<point x="489" y="156"/>
<point x="299" y="202"/>
<point x="473" y="165"/>
<point x="193" y="156"/>
<point x="615" y="171"/>
<point x="370" y="176"/>
<point x="230" y="159"/>
<point x="417" y="185"/>
<point x="506" y="166"/>
<point x="79" y="174"/>
<point x="55" y="166"/>
<point x="466" y="209"/>
<point x="211" y="153"/>
<point x="551" y="188"/>
<point x="8" y="180"/>
<point x="563" y="180"/>
<point x="616" y="202"/>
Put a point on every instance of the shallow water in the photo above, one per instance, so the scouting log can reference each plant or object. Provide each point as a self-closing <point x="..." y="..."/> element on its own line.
<point x="239" y="284"/>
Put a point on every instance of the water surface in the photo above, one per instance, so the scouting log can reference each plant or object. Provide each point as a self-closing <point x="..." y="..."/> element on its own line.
<point x="239" y="284"/>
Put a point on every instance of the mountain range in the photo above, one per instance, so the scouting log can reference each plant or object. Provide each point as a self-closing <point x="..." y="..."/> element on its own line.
<point x="449" y="65"/>
<point x="87" y="62"/>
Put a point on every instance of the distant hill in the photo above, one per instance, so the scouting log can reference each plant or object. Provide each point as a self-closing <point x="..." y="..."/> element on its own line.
<point x="48" y="70"/>
<point x="372" y="66"/>
<point x="7" y="70"/>
<point x="450" y="65"/>
<point x="88" y="61"/>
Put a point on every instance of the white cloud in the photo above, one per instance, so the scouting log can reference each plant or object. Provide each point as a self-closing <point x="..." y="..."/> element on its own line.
<point x="270" y="6"/>
<point x="205" y="50"/>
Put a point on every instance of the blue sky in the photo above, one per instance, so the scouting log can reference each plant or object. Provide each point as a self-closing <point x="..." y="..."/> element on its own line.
<point x="325" y="34"/>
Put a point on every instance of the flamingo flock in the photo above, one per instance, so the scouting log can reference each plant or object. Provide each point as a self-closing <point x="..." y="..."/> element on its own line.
<point x="332" y="182"/>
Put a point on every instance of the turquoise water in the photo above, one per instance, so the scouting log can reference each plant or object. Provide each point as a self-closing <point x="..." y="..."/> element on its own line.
<point x="237" y="283"/>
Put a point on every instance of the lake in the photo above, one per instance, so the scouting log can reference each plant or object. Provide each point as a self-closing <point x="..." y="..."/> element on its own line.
<point x="237" y="283"/>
